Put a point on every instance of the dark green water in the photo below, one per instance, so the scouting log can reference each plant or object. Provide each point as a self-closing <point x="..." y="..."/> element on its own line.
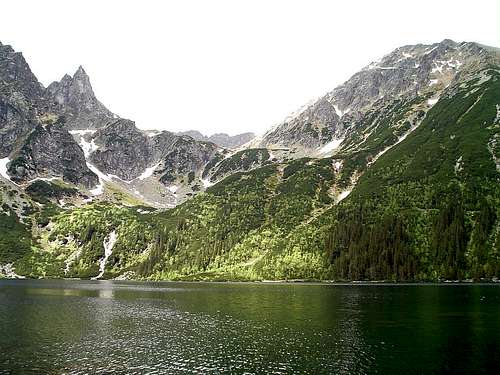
<point x="127" y="327"/>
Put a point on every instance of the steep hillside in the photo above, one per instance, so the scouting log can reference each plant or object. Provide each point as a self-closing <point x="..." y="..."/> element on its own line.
<point x="403" y="186"/>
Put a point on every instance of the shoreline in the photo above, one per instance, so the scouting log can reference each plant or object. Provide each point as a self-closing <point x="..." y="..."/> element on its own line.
<point x="273" y="282"/>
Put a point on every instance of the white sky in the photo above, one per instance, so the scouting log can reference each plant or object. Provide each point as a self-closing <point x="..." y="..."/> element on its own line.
<point x="230" y="66"/>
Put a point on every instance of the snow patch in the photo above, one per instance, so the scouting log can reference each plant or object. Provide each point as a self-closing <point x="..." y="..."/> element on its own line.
<point x="108" y="244"/>
<point x="148" y="172"/>
<point x="343" y="195"/>
<point x="432" y="101"/>
<point x="206" y="183"/>
<point x="339" y="112"/>
<point x="330" y="146"/>
<point x="173" y="188"/>
<point x="88" y="147"/>
<point x="433" y="82"/>
<point x="400" y="139"/>
<point x="99" y="174"/>
<point x="82" y="132"/>
<point x="47" y="179"/>
<point x="98" y="190"/>
<point x="437" y="68"/>
<point x="497" y="118"/>
<point x="152" y="133"/>
<point x="3" y="168"/>
<point x="429" y="51"/>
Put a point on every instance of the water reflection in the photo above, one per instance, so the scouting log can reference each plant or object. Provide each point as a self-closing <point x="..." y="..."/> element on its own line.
<point x="104" y="326"/>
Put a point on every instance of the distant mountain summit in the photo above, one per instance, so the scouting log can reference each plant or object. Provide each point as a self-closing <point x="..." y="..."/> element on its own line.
<point x="221" y="139"/>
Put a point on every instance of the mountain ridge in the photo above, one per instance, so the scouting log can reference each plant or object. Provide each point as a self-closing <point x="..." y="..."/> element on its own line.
<point x="393" y="175"/>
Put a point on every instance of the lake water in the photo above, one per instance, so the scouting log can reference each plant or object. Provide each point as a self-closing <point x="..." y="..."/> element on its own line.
<point x="52" y="326"/>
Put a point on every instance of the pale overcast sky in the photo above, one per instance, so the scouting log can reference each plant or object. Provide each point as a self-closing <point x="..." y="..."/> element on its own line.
<point x="230" y="66"/>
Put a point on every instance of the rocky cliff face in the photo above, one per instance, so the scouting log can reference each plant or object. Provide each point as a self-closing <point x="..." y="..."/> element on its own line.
<point x="16" y="75"/>
<point x="20" y="96"/>
<point x="74" y="98"/>
<point x="33" y="139"/>
<point x="50" y="151"/>
<point x="121" y="149"/>
<point x="407" y="72"/>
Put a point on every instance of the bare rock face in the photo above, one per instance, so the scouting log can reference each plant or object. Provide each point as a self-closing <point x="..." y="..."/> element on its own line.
<point x="17" y="117"/>
<point x="20" y="95"/>
<point x="50" y="151"/>
<point x="74" y="98"/>
<point x="122" y="149"/>
<point x="16" y="76"/>
<point x="184" y="156"/>
<point x="125" y="151"/>
<point x="404" y="73"/>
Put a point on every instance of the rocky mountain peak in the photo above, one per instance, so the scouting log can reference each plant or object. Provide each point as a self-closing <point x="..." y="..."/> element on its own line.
<point x="74" y="97"/>
<point x="407" y="71"/>
<point x="16" y="75"/>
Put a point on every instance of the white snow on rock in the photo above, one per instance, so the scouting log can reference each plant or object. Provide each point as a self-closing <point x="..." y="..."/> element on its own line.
<point x="338" y="165"/>
<point x="152" y="133"/>
<point x="82" y="132"/>
<point x="98" y="190"/>
<point x="3" y="168"/>
<point x="108" y="244"/>
<point x="433" y="82"/>
<point x="173" y="188"/>
<point x="148" y="172"/>
<point x="432" y="101"/>
<point x="429" y="51"/>
<point x="437" y="68"/>
<point x="206" y="183"/>
<point x="88" y="147"/>
<point x="497" y="118"/>
<point x="343" y="195"/>
<point x="47" y="179"/>
<point x="339" y="112"/>
<point x="330" y="146"/>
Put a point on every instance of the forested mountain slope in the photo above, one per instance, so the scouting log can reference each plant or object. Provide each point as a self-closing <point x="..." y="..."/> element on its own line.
<point x="410" y="193"/>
